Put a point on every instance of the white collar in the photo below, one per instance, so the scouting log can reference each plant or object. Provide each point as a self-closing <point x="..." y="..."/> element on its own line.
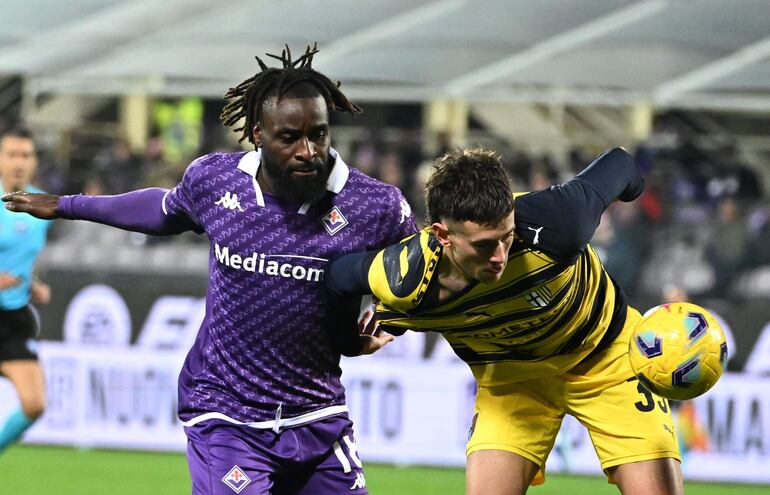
<point x="338" y="177"/>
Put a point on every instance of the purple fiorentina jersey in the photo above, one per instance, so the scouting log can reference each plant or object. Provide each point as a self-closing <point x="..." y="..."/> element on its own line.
<point x="262" y="352"/>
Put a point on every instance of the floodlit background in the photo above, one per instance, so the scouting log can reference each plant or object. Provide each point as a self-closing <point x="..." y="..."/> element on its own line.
<point x="124" y="94"/>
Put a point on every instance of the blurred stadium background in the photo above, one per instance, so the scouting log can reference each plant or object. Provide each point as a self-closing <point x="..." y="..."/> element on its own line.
<point x="123" y="94"/>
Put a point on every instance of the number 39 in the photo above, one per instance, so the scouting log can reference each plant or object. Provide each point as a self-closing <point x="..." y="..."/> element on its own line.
<point x="649" y="401"/>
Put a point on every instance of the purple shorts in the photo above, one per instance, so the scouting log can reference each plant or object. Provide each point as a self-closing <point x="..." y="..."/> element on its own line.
<point x="318" y="458"/>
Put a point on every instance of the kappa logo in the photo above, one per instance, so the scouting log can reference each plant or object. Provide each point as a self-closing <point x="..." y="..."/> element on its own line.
<point x="236" y="479"/>
<point x="334" y="221"/>
<point x="360" y="481"/>
<point x="229" y="201"/>
<point x="406" y="210"/>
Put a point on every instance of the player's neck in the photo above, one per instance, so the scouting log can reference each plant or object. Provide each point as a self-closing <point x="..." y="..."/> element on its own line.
<point x="452" y="279"/>
<point x="264" y="183"/>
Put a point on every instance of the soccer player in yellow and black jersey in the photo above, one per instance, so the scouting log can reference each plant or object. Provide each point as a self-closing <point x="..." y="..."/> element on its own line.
<point x="512" y="284"/>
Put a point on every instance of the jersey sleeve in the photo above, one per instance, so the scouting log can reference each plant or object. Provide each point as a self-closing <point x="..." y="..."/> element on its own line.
<point x="179" y="201"/>
<point x="398" y="220"/>
<point x="399" y="275"/>
<point x="562" y="219"/>
<point x="137" y="211"/>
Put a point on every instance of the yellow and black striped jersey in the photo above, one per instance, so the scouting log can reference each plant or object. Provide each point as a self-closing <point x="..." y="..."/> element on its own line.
<point x="554" y="304"/>
<point x="541" y="318"/>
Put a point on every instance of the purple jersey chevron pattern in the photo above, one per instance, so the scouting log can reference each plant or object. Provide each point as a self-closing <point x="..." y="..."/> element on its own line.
<point x="262" y="347"/>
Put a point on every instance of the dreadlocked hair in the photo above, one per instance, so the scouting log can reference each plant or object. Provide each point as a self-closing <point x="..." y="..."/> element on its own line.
<point x="247" y="99"/>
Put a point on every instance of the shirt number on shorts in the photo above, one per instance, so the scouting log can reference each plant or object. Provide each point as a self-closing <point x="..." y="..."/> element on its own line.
<point x="649" y="401"/>
<point x="352" y="454"/>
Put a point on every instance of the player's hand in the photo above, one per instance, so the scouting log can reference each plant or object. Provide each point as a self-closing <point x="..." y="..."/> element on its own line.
<point x="40" y="293"/>
<point x="372" y="338"/>
<point x="38" y="205"/>
<point x="7" y="281"/>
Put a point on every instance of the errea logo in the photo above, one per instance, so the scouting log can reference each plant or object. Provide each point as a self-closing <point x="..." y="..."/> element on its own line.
<point x="229" y="201"/>
<point x="236" y="479"/>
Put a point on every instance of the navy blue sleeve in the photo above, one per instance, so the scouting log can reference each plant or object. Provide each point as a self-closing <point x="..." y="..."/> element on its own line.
<point x="348" y="274"/>
<point x="614" y="175"/>
<point x="345" y="281"/>
<point x="562" y="219"/>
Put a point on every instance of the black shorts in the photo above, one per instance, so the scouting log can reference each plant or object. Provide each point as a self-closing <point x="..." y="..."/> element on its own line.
<point x="18" y="334"/>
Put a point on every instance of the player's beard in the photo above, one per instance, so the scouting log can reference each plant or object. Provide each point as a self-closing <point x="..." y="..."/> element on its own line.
<point x="297" y="189"/>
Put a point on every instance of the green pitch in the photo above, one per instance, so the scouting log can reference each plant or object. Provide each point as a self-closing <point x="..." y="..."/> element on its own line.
<point x="27" y="470"/>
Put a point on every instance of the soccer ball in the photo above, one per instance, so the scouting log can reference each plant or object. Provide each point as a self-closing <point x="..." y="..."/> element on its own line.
<point x="678" y="351"/>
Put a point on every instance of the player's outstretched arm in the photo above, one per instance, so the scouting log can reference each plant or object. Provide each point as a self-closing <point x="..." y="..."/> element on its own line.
<point x="38" y="205"/>
<point x="138" y="211"/>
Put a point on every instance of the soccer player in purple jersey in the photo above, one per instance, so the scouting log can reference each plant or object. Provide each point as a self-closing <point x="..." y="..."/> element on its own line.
<point x="259" y="393"/>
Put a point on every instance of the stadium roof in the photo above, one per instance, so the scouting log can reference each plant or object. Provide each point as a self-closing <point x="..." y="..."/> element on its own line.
<point x="678" y="53"/>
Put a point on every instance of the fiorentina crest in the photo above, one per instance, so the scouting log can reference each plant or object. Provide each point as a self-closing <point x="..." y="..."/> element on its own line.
<point x="236" y="479"/>
<point x="333" y="221"/>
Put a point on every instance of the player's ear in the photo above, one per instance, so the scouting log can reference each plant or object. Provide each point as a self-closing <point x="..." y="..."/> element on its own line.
<point x="256" y="133"/>
<point x="441" y="233"/>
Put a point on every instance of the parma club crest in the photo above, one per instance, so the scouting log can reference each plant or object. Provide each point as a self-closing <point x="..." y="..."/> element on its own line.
<point x="334" y="221"/>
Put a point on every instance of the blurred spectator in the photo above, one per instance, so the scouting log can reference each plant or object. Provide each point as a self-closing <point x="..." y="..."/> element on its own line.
<point x="674" y="293"/>
<point x="156" y="171"/>
<point x="577" y="160"/>
<point x="519" y="165"/>
<point x="118" y="168"/>
<point x="758" y="250"/>
<point x="540" y="176"/>
<point x="726" y="246"/>
<point x="93" y="187"/>
<point x="180" y="125"/>
<point x="622" y="240"/>
<point x="651" y="204"/>
<point x="365" y="155"/>
<point x="735" y="178"/>
<point x="443" y="144"/>
<point x="410" y="152"/>
<point x="391" y="170"/>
